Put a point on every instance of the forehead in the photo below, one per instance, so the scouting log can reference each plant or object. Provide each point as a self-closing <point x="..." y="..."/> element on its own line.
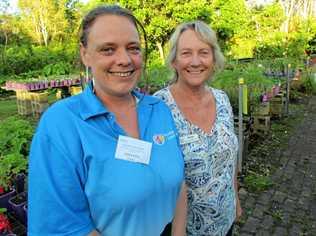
<point x="191" y="39"/>
<point x="112" y="29"/>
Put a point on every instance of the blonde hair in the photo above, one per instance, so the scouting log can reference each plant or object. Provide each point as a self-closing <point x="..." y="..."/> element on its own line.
<point x="205" y="33"/>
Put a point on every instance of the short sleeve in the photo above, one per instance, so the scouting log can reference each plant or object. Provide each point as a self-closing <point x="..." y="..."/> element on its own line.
<point x="227" y="111"/>
<point x="57" y="204"/>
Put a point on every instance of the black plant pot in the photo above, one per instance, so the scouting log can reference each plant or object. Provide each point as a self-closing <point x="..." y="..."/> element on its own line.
<point x="17" y="203"/>
<point x="25" y="213"/>
<point x="20" y="183"/>
<point x="4" y="199"/>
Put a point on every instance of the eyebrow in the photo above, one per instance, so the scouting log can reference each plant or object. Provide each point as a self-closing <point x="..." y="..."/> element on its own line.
<point x="190" y="49"/>
<point x="107" y="44"/>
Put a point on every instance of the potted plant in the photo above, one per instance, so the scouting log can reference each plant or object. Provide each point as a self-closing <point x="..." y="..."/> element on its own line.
<point x="15" y="137"/>
<point x="17" y="205"/>
<point x="5" y="226"/>
<point x="11" y="179"/>
<point x="5" y="195"/>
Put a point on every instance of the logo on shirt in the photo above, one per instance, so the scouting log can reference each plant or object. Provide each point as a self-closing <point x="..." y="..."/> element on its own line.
<point x="159" y="139"/>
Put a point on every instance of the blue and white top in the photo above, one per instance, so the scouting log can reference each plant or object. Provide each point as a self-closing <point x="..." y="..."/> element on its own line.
<point x="210" y="164"/>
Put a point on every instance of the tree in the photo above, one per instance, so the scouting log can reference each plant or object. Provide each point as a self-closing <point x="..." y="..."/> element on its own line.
<point x="292" y="8"/>
<point x="44" y="20"/>
<point x="267" y="20"/>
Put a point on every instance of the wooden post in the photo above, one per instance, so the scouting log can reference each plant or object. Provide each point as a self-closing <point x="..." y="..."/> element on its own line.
<point x="287" y="90"/>
<point x="240" y="124"/>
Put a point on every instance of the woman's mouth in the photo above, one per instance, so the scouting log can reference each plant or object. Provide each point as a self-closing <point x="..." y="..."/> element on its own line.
<point x="195" y="72"/>
<point x="122" y="74"/>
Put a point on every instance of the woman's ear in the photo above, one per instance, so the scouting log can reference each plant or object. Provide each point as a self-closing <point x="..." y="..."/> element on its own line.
<point x="84" y="55"/>
<point x="173" y="64"/>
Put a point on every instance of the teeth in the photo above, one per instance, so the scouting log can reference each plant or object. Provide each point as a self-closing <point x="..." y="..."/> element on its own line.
<point x="195" y="72"/>
<point x="122" y="74"/>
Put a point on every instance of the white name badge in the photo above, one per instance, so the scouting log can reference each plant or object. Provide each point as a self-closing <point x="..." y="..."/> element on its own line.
<point x="132" y="149"/>
<point x="191" y="138"/>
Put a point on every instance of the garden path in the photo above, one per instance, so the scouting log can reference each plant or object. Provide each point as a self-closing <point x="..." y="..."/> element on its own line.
<point x="289" y="207"/>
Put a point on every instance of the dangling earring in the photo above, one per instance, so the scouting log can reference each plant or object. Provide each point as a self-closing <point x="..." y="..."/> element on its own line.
<point x="87" y="74"/>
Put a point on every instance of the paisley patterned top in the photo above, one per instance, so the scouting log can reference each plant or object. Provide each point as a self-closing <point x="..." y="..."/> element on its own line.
<point x="210" y="163"/>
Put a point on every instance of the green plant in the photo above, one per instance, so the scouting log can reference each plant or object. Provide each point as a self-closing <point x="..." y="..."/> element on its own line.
<point x="10" y="166"/>
<point x="277" y="215"/>
<point x="5" y="226"/>
<point x="15" y="138"/>
<point x="257" y="183"/>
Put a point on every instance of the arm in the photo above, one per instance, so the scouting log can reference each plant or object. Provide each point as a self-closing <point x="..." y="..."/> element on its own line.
<point x="57" y="203"/>
<point x="94" y="233"/>
<point x="231" y="125"/>
<point x="179" y="220"/>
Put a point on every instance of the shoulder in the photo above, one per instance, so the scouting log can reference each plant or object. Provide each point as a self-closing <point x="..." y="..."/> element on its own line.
<point x="156" y="101"/>
<point x="164" y="95"/>
<point x="218" y="93"/>
<point x="220" y="96"/>
<point x="60" y="115"/>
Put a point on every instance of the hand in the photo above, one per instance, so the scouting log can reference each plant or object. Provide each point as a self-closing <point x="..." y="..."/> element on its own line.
<point x="238" y="209"/>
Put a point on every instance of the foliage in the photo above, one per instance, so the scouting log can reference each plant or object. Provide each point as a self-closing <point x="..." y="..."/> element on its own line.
<point x="307" y="83"/>
<point x="15" y="137"/>
<point x="5" y="226"/>
<point x="45" y="21"/>
<point x="29" y="61"/>
<point x="257" y="183"/>
<point x="11" y="165"/>
<point x="158" y="77"/>
<point x="254" y="78"/>
<point x="42" y="39"/>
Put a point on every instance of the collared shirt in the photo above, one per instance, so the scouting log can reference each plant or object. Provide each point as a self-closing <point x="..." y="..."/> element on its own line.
<point x="76" y="184"/>
<point x="210" y="163"/>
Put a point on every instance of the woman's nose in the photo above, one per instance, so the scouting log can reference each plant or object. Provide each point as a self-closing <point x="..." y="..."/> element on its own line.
<point x="123" y="57"/>
<point x="195" y="61"/>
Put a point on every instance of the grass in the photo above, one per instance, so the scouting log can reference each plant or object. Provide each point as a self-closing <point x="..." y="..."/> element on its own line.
<point x="8" y="108"/>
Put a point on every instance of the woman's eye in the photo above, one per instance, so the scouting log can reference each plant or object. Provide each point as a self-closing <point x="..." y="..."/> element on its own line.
<point x="134" y="50"/>
<point x="205" y="52"/>
<point x="107" y="51"/>
<point x="185" y="53"/>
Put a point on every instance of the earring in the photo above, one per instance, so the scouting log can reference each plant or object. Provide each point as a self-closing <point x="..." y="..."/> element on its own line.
<point x="87" y="73"/>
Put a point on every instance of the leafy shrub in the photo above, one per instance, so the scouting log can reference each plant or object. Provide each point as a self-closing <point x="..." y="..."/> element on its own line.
<point x="254" y="78"/>
<point x="15" y="138"/>
<point x="60" y="68"/>
<point x="15" y="135"/>
<point x="21" y="60"/>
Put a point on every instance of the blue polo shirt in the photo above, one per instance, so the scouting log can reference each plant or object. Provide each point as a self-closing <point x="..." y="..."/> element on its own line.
<point x="76" y="184"/>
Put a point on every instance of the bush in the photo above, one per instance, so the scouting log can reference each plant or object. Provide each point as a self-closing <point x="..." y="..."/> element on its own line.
<point x="15" y="138"/>
<point x="27" y="59"/>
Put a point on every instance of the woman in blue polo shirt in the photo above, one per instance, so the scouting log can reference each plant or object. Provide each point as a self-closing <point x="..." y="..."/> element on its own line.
<point x="107" y="161"/>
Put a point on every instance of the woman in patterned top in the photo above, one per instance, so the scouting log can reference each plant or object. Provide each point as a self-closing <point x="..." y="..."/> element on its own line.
<point x="204" y="119"/>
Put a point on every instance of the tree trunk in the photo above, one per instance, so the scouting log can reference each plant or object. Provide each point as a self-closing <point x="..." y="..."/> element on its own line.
<point x="288" y="7"/>
<point x="161" y="53"/>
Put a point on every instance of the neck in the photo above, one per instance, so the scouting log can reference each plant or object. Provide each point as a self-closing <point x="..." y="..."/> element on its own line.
<point x="116" y="102"/>
<point x="195" y="93"/>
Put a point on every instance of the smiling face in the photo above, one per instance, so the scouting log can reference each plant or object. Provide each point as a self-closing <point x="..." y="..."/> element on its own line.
<point x="194" y="60"/>
<point x="114" y="55"/>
